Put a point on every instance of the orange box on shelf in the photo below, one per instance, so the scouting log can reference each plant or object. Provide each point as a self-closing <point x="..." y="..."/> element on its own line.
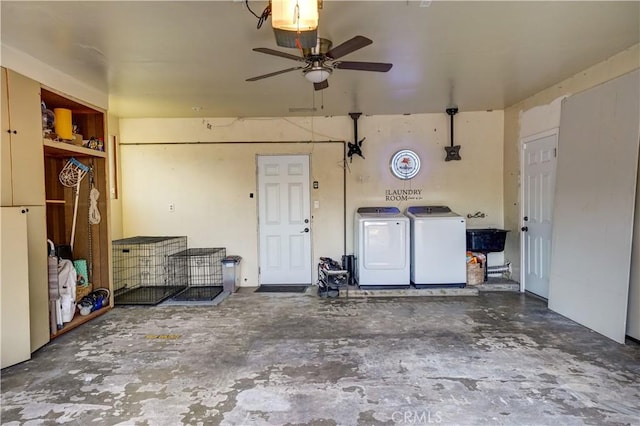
<point x="77" y="139"/>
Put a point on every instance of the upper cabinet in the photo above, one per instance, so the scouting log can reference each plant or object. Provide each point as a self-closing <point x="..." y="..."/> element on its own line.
<point x="5" y="155"/>
<point x="22" y="177"/>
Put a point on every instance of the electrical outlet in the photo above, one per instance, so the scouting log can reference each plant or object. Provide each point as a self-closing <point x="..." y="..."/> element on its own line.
<point x="172" y="207"/>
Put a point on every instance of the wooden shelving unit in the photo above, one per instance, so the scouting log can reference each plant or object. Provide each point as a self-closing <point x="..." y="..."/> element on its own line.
<point x="91" y="242"/>
<point x="79" y="320"/>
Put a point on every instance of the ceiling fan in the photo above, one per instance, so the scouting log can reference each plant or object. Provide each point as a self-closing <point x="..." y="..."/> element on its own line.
<point x="320" y="61"/>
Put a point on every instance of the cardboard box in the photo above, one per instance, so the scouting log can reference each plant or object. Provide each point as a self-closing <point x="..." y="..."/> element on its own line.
<point x="77" y="139"/>
<point x="475" y="273"/>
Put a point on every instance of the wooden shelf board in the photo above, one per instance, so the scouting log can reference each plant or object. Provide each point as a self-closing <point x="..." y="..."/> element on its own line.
<point x="79" y="320"/>
<point x="63" y="149"/>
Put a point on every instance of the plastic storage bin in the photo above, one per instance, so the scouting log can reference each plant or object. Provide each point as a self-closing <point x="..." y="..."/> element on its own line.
<point x="231" y="273"/>
<point x="486" y="239"/>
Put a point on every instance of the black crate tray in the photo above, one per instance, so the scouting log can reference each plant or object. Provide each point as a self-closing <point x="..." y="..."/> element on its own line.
<point x="146" y="295"/>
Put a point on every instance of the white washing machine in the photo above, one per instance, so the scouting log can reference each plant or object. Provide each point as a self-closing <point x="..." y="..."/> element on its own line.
<point x="382" y="247"/>
<point x="438" y="247"/>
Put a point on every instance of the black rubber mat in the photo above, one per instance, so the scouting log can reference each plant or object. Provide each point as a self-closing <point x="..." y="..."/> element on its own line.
<point x="149" y="295"/>
<point x="282" y="289"/>
<point x="198" y="293"/>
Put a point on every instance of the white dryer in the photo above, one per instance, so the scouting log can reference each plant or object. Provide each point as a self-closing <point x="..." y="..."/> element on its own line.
<point x="438" y="247"/>
<point x="382" y="247"/>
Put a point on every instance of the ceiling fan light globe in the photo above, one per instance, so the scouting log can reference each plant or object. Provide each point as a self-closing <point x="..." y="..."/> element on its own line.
<point x="317" y="75"/>
<point x="294" y="15"/>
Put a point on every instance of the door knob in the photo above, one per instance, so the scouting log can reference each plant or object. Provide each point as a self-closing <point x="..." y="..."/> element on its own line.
<point x="305" y="230"/>
<point x="524" y="228"/>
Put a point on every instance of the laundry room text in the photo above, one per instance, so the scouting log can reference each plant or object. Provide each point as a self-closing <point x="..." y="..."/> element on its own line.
<point x="402" y="194"/>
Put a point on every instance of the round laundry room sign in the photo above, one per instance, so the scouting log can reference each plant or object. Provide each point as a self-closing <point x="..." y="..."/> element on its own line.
<point x="405" y="164"/>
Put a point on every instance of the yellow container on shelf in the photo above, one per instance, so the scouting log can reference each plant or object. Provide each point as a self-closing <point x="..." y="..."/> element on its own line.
<point x="63" y="126"/>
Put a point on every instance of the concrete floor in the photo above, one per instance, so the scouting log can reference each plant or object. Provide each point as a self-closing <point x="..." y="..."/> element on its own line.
<point x="278" y="359"/>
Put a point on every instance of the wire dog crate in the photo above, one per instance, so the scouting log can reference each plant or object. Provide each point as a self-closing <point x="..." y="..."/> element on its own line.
<point x="200" y="270"/>
<point x="141" y="273"/>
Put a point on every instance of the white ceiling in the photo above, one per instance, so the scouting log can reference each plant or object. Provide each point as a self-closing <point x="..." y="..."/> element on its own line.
<point x="160" y="59"/>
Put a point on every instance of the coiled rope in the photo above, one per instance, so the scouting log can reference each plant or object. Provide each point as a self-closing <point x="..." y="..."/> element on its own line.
<point x="94" y="213"/>
<point x="94" y="194"/>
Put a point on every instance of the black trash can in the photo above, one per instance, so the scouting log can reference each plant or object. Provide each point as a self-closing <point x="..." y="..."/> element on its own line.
<point x="349" y="265"/>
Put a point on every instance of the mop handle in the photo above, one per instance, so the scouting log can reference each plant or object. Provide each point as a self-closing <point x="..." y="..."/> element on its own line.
<point x="75" y="211"/>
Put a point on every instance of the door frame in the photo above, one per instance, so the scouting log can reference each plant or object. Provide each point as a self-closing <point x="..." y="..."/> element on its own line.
<point x="544" y="134"/>
<point x="308" y="155"/>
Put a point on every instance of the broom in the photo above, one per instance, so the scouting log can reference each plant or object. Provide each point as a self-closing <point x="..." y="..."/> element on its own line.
<point x="70" y="176"/>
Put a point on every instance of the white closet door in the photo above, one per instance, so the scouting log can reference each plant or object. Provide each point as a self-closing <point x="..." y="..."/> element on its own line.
<point x="15" y="344"/>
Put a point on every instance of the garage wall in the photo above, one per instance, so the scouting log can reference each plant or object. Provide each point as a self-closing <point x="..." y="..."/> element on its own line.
<point x="547" y="103"/>
<point x="210" y="187"/>
<point x="210" y="183"/>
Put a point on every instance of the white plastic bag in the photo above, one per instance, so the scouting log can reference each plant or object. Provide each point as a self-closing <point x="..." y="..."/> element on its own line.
<point x="67" y="278"/>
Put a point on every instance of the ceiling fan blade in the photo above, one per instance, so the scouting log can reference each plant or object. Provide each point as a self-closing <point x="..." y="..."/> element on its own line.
<point x="363" y="66"/>
<point x="358" y="42"/>
<point x="271" y="74"/>
<point x="321" y="85"/>
<point x="278" y="53"/>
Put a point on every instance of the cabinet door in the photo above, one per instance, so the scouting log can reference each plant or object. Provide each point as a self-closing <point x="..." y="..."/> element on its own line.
<point x="6" y="192"/>
<point x="38" y="276"/>
<point x="15" y="344"/>
<point x="27" y="153"/>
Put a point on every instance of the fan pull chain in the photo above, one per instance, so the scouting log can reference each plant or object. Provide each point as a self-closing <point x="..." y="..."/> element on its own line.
<point x="90" y="222"/>
<point x="89" y="230"/>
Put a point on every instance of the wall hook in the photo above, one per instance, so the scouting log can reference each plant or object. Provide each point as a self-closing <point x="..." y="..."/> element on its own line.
<point x="476" y="215"/>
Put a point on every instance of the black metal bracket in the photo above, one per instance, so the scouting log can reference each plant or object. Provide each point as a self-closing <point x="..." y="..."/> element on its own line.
<point x="453" y="151"/>
<point x="355" y="148"/>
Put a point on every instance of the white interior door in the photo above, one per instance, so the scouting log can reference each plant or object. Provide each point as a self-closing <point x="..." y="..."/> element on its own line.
<point x="284" y="219"/>
<point x="539" y="171"/>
